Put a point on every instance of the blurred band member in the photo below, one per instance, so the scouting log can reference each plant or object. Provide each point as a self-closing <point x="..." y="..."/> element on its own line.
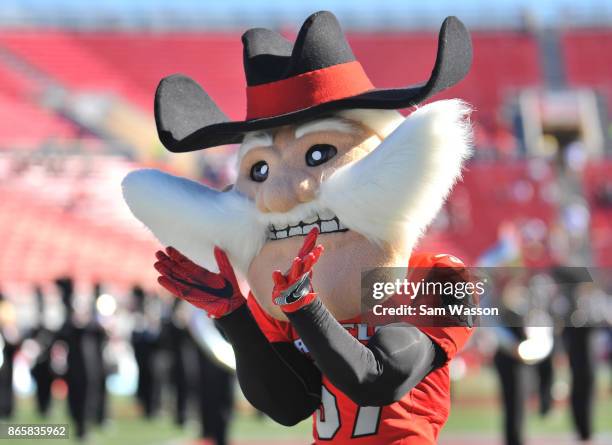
<point x="42" y="372"/>
<point x="576" y="341"/>
<point x="96" y="339"/>
<point x="510" y="361"/>
<point x="72" y="334"/>
<point x="214" y="382"/>
<point x="145" y="343"/>
<point x="216" y="397"/>
<point x="582" y="367"/>
<point x="179" y="343"/>
<point x="9" y="345"/>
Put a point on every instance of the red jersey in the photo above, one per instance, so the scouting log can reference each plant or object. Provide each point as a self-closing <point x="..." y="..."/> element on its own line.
<point x="416" y="419"/>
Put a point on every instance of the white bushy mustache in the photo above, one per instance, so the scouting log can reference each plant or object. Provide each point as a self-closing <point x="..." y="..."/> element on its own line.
<point x="389" y="196"/>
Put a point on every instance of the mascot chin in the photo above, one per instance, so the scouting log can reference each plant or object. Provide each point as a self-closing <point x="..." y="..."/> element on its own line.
<point x="332" y="180"/>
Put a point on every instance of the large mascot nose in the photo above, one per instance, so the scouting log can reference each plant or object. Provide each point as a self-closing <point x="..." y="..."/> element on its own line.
<point x="281" y="193"/>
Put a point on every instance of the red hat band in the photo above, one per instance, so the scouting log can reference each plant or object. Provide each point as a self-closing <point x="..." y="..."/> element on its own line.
<point x="306" y="90"/>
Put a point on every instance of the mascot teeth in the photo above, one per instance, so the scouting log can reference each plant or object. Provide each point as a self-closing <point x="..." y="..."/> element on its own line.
<point x="303" y="228"/>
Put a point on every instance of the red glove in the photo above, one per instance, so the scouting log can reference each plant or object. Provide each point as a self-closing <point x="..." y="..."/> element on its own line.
<point x="217" y="293"/>
<point x="293" y="290"/>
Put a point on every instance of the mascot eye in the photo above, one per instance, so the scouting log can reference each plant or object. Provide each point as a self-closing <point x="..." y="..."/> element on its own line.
<point x="259" y="171"/>
<point x="319" y="154"/>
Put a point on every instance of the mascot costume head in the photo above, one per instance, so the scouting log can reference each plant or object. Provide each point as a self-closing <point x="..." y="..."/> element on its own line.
<point x="320" y="147"/>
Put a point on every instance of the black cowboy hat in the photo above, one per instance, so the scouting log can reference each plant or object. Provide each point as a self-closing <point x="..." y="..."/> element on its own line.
<point x="287" y="83"/>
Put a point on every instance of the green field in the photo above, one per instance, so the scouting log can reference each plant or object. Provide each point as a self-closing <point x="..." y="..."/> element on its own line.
<point x="475" y="413"/>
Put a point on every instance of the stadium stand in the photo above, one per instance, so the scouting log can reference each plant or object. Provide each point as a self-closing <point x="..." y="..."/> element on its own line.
<point x="70" y="212"/>
<point x="62" y="57"/>
<point x="25" y="124"/>
<point x="14" y="84"/>
<point x="598" y="190"/>
<point x="522" y="195"/>
<point x="131" y="64"/>
<point x="19" y="111"/>
<point x="587" y="61"/>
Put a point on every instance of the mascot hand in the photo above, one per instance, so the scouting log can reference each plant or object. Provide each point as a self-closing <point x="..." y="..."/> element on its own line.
<point x="217" y="293"/>
<point x="293" y="290"/>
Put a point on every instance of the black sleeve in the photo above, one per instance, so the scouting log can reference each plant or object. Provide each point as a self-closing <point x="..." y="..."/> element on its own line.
<point x="275" y="377"/>
<point x="395" y="360"/>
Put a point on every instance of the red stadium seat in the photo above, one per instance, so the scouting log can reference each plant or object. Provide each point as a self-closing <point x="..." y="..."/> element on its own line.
<point x="519" y="198"/>
<point x="597" y="184"/>
<point x="587" y="60"/>
<point x="38" y="227"/>
<point x="24" y="124"/>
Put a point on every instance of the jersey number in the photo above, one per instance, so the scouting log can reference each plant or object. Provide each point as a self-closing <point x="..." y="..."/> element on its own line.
<point x="328" y="418"/>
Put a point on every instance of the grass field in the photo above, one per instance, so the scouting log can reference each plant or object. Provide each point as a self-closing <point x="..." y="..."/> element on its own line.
<point x="475" y="419"/>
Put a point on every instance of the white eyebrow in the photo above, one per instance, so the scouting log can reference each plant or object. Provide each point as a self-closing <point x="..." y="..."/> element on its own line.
<point x="262" y="138"/>
<point x="254" y="139"/>
<point x="328" y="124"/>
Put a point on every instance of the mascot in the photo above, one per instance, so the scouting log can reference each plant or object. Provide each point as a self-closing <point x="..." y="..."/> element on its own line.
<point x="331" y="180"/>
